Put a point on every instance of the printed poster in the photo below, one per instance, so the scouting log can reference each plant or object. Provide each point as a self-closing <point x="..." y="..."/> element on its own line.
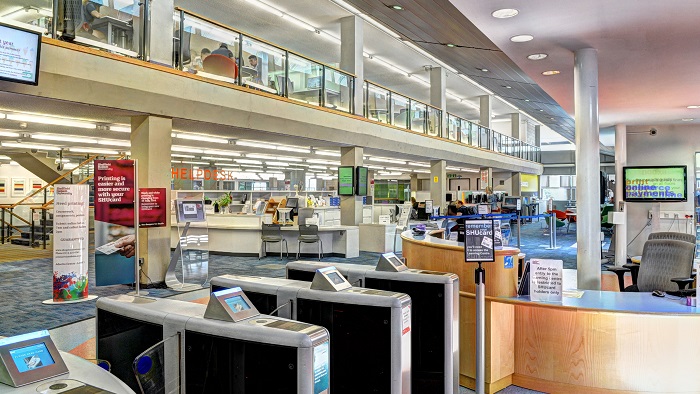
<point x="152" y="207"/>
<point x="479" y="241"/>
<point x="115" y="236"/>
<point x="3" y="187"/>
<point x="70" y="242"/>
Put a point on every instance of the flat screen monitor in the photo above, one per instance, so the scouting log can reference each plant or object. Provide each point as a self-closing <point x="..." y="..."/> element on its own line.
<point x="19" y="55"/>
<point x="346" y="180"/>
<point x="655" y="183"/>
<point x="510" y="201"/>
<point x="292" y="202"/>
<point x="362" y="181"/>
<point x="448" y="197"/>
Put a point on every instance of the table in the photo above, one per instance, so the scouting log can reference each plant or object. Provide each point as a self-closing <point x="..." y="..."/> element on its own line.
<point x="123" y="29"/>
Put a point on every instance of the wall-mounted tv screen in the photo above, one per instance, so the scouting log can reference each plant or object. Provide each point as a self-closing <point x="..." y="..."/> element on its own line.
<point x="19" y="55"/>
<point x="346" y="180"/>
<point x="362" y="181"/>
<point x="655" y="183"/>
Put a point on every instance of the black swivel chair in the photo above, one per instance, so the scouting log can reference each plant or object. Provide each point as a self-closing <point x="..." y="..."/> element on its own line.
<point x="664" y="261"/>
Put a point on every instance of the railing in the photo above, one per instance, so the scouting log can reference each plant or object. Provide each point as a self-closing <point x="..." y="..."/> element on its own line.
<point x="244" y="60"/>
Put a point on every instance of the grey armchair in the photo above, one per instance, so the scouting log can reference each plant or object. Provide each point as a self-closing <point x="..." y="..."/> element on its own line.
<point x="272" y="233"/>
<point x="308" y="234"/>
<point x="664" y="261"/>
<point x="673" y="235"/>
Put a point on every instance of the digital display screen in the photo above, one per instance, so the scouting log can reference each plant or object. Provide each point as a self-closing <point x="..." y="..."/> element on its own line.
<point x="321" y="372"/>
<point x="395" y="261"/>
<point x="31" y="357"/>
<point x="346" y="181"/>
<point x="335" y="278"/>
<point x="237" y="304"/>
<point x="189" y="209"/>
<point x="646" y="184"/>
<point x="19" y="55"/>
<point x="292" y="202"/>
<point x="362" y="181"/>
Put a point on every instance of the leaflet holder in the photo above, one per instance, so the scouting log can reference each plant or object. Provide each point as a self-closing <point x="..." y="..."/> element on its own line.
<point x="192" y="249"/>
<point x="230" y="305"/>
<point x="29" y="358"/>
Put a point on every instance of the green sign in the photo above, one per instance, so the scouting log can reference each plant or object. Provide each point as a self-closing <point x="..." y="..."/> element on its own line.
<point x="346" y="181"/>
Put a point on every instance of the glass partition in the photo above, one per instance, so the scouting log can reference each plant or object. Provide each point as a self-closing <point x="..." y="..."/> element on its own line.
<point x="305" y="80"/>
<point x="453" y="127"/>
<point x="35" y="15"/>
<point x="338" y="90"/>
<point x="483" y="133"/>
<point x="399" y="110"/>
<point x="434" y="121"/>
<point x="263" y="66"/>
<point x="110" y="25"/>
<point x="496" y="143"/>
<point x="377" y="103"/>
<point x="418" y="115"/>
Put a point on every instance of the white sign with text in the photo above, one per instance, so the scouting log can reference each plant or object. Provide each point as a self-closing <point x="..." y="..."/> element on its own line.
<point x="546" y="278"/>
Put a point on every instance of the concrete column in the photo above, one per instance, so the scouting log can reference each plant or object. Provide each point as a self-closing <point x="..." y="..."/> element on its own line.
<point x="587" y="168"/>
<point x="351" y="206"/>
<point x="516" y="191"/>
<point x="485" y="110"/>
<point x="414" y="183"/>
<point x="351" y="44"/>
<point x="620" y="162"/>
<point x="438" y="86"/>
<point x="537" y="135"/>
<point x="438" y="183"/>
<point x="161" y="32"/>
<point x="150" y="145"/>
<point x="515" y="127"/>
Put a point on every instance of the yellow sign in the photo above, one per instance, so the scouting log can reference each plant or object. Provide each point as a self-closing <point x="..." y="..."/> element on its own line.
<point x="528" y="183"/>
<point x="435" y="179"/>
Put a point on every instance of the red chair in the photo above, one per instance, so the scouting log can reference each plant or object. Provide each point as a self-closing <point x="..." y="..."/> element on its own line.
<point x="221" y="65"/>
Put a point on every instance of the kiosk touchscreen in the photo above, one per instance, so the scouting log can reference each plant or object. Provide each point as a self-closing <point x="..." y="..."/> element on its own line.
<point x="370" y="330"/>
<point x="435" y="314"/>
<point x="254" y="354"/>
<point x="29" y="358"/>
<point x="189" y="211"/>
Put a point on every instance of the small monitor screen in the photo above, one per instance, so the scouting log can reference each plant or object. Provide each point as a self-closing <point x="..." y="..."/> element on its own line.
<point x="189" y="209"/>
<point x="292" y="202"/>
<point x="362" y="181"/>
<point x="395" y="261"/>
<point x="335" y="278"/>
<point x="237" y="304"/>
<point x="31" y="357"/>
<point x="346" y="180"/>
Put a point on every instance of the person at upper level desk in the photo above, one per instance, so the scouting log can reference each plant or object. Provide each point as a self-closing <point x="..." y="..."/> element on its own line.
<point x="223" y="50"/>
<point x="90" y="13"/>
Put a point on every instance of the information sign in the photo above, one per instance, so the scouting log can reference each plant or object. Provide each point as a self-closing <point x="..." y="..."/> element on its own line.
<point x="19" y="54"/>
<point x="497" y="235"/>
<point x="478" y="241"/>
<point x="152" y="212"/>
<point x="70" y="245"/>
<point x="546" y="278"/>
<point x="346" y="180"/>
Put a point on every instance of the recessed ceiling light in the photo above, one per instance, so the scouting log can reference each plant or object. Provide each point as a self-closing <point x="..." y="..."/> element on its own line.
<point x="551" y="118"/>
<point x="483" y="69"/>
<point x="504" y="13"/>
<point x="537" y="56"/>
<point x="693" y="106"/>
<point x="528" y="100"/>
<point x="507" y="87"/>
<point x="397" y="7"/>
<point x="522" y="38"/>
<point x="541" y="110"/>
<point x="551" y="72"/>
<point x="450" y="45"/>
<point x="688" y="119"/>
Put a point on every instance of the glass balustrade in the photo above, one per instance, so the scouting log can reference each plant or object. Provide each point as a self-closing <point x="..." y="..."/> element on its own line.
<point x="454" y="127"/>
<point x="400" y="110"/>
<point x="418" y="116"/>
<point x="305" y="80"/>
<point x="263" y="67"/>
<point x="34" y="15"/>
<point x="338" y="90"/>
<point x="434" y="122"/>
<point x="377" y="103"/>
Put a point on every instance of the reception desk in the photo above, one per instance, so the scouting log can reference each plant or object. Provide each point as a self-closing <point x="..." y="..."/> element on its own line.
<point x="602" y="342"/>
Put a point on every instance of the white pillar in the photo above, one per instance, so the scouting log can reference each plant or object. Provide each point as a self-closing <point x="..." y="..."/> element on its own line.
<point x="515" y="126"/>
<point x="161" y="32"/>
<point x="351" y="206"/>
<point x="438" y="86"/>
<point x="620" y="162"/>
<point x="485" y="110"/>
<point x="537" y="135"/>
<point x="438" y="183"/>
<point x="351" y="43"/>
<point x="150" y="145"/>
<point x="587" y="168"/>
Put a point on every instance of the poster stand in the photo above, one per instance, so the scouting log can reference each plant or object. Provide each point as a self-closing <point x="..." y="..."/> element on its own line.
<point x="137" y="262"/>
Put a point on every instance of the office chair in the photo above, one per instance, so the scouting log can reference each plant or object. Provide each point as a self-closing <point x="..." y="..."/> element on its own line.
<point x="308" y="234"/>
<point x="663" y="261"/>
<point x="304" y="213"/>
<point x="272" y="233"/>
<point x="221" y="65"/>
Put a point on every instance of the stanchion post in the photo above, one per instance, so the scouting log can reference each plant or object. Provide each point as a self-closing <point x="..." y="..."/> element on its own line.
<point x="518" y="217"/>
<point x="480" y="280"/>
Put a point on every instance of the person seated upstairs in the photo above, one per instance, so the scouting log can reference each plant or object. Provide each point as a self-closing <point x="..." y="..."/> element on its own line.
<point x="223" y="50"/>
<point x="90" y="13"/>
<point x="198" y="63"/>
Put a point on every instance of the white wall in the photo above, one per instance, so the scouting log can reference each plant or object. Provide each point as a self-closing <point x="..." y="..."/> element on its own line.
<point x="673" y="145"/>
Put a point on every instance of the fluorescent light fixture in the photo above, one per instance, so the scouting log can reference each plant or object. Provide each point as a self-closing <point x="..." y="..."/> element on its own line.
<point x="215" y="158"/>
<point x="266" y="7"/>
<point x="329" y="36"/>
<point x="395" y="169"/>
<point x="294" y="149"/>
<point x="688" y="119"/>
<point x="246" y="161"/>
<point x="10" y="134"/>
<point x="226" y="164"/>
<point x="14" y="163"/>
<point x="420" y="80"/>
<point x="504" y="13"/>
<point x="298" y="165"/>
<point x="67" y="138"/>
<point x="298" y="22"/>
<point x="390" y="66"/>
<point x="273" y="157"/>
<point x="693" y="106"/>
<point x="470" y="169"/>
<point x="417" y="164"/>
<point x="277" y="163"/>
<point x="202" y="163"/>
<point x="122" y="128"/>
<point x="422" y="171"/>
<point x="522" y="38"/>
<point x="319" y="161"/>
<point x="390" y="173"/>
<point x="452" y="168"/>
<point x="375" y="167"/>
<point x="319" y="167"/>
<point x="254" y="144"/>
<point x="126" y="144"/>
<point x="185" y="156"/>
<point x="185" y="149"/>
<point x="327" y="153"/>
<point x="28" y="146"/>
<point x="385" y="160"/>
<point x="51" y="120"/>
<point x="70" y="166"/>
<point x="550" y="72"/>
<point x="3" y="157"/>
<point x="222" y="153"/>
<point x="537" y="56"/>
<point x="93" y="150"/>
<point x="201" y="137"/>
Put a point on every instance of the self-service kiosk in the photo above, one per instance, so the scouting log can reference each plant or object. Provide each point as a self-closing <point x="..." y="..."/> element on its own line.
<point x="435" y="314"/>
<point x="225" y="347"/>
<point x="370" y="329"/>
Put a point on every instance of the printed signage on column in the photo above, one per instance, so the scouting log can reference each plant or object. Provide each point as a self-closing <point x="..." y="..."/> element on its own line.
<point x="152" y="207"/>
<point x="70" y="243"/>
<point x="115" y="237"/>
<point x="546" y="280"/>
<point x="478" y="241"/>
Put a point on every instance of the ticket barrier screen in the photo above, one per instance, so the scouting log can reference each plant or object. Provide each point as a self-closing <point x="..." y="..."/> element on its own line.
<point x="435" y="315"/>
<point x="370" y="329"/>
<point x="255" y="355"/>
